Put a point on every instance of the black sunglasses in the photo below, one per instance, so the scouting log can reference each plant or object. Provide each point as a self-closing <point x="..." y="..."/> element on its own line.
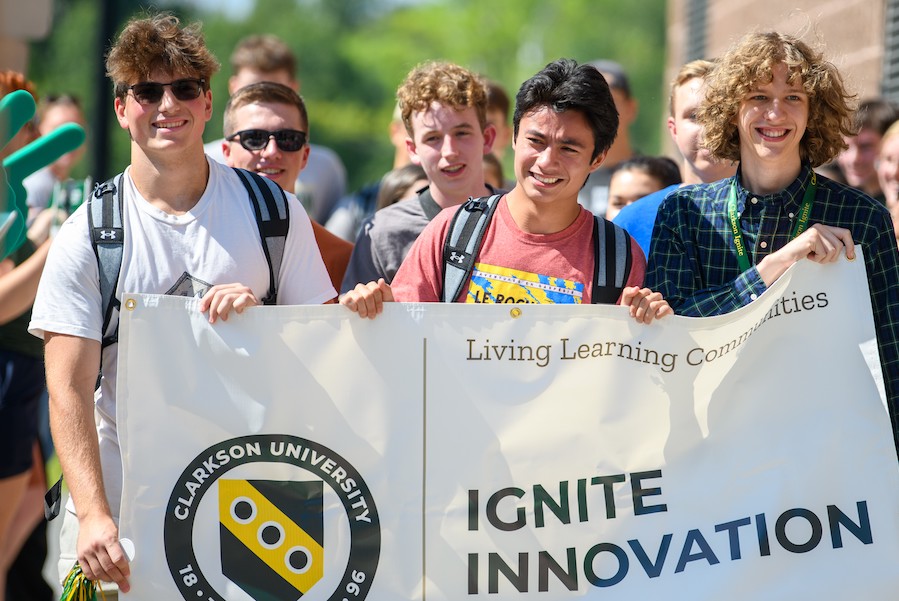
<point x="288" y="140"/>
<point x="150" y="92"/>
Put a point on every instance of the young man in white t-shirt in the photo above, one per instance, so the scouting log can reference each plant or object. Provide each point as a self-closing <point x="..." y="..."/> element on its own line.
<point x="564" y="123"/>
<point x="189" y="230"/>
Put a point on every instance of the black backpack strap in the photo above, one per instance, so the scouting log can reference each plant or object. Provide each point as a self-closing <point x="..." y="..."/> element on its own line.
<point x="612" y="260"/>
<point x="272" y="218"/>
<point x="53" y="500"/>
<point x="463" y="242"/>
<point x="105" y="220"/>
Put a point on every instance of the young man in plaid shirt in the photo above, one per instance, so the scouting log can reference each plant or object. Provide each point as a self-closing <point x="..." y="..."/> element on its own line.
<point x="778" y="108"/>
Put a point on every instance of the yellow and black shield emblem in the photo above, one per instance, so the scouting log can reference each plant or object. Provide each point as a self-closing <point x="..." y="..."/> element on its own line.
<point x="272" y="536"/>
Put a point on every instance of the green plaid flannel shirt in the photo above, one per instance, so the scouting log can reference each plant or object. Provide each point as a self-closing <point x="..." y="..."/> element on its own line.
<point x="693" y="262"/>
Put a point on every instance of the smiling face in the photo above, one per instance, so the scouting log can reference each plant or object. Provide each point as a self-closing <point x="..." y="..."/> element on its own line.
<point x="278" y="165"/>
<point x="450" y="146"/>
<point x="168" y="125"/>
<point x="552" y="155"/>
<point x="771" y="122"/>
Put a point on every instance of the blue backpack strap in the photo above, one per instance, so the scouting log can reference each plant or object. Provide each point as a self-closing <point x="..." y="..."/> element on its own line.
<point x="272" y="218"/>
<point x="463" y="242"/>
<point x="105" y="221"/>
<point x="612" y="260"/>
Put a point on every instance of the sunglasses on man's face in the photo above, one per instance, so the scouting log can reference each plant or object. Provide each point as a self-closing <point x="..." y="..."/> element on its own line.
<point x="288" y="140"/>
<point x="150" y="92"/>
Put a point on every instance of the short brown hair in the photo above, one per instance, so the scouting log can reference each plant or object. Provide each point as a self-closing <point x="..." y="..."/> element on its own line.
<point x="266" y="53"/>
<point x="156" y="43"/>
<point x="263" y="91"/>
<point x="446" y="83"/>
<point x="877" y="114"/>
<point x="697" y="69"/>
<point x="752" y="60"/>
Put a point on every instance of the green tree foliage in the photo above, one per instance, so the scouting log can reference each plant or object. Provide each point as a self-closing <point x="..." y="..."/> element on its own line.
<point x="354" y="53"/>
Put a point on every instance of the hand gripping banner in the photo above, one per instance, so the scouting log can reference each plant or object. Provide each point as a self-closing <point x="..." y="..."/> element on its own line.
<point x="511" y="452"/>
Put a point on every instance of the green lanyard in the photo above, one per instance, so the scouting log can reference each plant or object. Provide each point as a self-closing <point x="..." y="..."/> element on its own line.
<point x="733" y="219"/>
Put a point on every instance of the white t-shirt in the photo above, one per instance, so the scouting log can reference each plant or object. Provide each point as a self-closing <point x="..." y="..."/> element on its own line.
<point x="39" y="188"/>
<point x="216" y="242"/>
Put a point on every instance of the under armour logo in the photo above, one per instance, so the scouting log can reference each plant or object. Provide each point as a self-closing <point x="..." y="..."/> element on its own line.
<point x="456" y="257"/>
<point x="107" y="235"/>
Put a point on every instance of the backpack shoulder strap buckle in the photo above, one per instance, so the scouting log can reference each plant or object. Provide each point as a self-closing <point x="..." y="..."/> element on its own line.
<point x="476" y="204"/>
<point x="463" y="242"/>
<point x="107" y="187"/>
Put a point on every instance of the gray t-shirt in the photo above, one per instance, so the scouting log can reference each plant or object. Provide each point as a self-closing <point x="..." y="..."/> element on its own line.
<point x="385" y="240"/>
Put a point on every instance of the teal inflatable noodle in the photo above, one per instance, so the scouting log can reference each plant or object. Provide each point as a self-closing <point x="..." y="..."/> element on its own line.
<point x="16" y="108"/>
<point x="15" y="111"/>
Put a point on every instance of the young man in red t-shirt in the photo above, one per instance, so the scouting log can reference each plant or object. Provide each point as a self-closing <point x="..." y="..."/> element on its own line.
<point x="538" y="246"/>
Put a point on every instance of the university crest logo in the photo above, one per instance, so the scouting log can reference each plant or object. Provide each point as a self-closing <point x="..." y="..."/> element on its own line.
<point x="270" y="517"/>
<point x="272" y="536"/>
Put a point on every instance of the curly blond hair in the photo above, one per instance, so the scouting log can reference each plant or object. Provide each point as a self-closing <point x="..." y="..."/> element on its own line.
<point x="443" y="82"/>
<point x="750" y="62"/>
<point x="156" y="43"/>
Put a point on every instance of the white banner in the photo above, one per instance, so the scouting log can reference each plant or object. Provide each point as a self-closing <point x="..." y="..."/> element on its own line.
<point x="511" y="452"/>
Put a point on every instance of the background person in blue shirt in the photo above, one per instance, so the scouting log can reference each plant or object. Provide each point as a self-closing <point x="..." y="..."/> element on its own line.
<point x="697" y="167"/>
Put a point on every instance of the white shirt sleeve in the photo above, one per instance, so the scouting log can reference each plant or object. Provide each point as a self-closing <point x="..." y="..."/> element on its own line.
<point x="68" y="297"/>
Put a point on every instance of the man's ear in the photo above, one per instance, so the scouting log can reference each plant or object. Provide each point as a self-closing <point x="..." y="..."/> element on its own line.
<point x="597" y="162"/>
<point x="119" y="105"/>
<point x="304" y="159"/>
<point x="489" y="137"/>
<point x="672" y="129"/>
<point x="207" y="97"/>
<point x="410" y="149"/>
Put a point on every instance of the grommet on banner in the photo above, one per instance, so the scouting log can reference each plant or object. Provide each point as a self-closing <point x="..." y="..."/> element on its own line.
<point x="515" y="313"/>
<point x="131" y="304"/>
